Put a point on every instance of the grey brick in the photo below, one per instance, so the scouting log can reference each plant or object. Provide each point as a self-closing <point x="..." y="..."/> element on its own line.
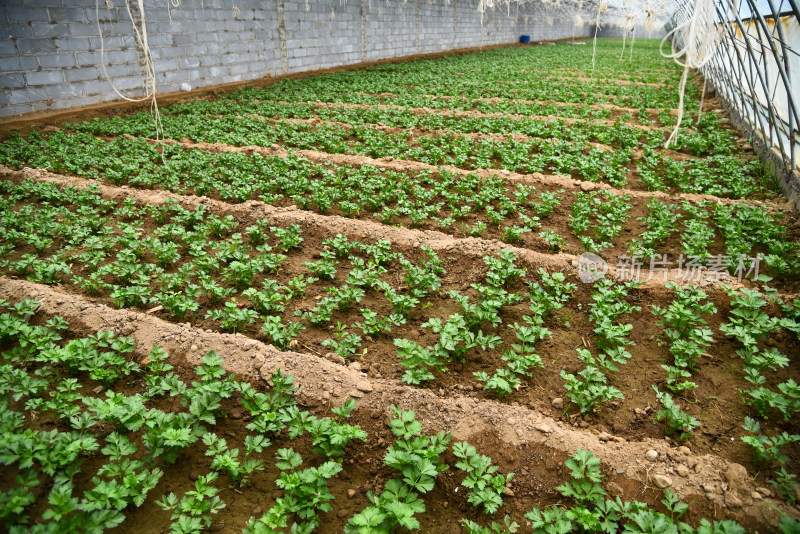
<point x="170" y="27"/>
<point x="239" y="68"/>
<point x="109" y="42"/>
<point x="35" y="46"/>
<point x="234" y="25"/>
<point x="188" y="62"/>
<point x="160" y="40"/>
<point x="83" y="74"/>
<point x="181" y="39"/>
<point x="248" y="14"/>
<point x="96" y="87"/>
<point x="56" y="61"/>
<point x="60" y="104"/>
<point x="13" y="111"/>
<point x="127" y="83"/>
<point x="27" y="95"/>
<point x="162" y="65"/>
<point x="67" y="14"/>
<point x="48" y="29"/>
<point x="207" y="37"/>
<point x="8" y="48"/>
<point x="64" y="91"/>
<point x="72" y="44"/>
<point x="83" y="29"/>
<point x="176" y="76"/>
<point x="9" y="64"/>
<point x="194" y="26"/>
<point x="11" y="81"/>
<point x="163" y="14"/>
<point x="44" y="77"/>
<point x="86" y="59"/>
<point x="122" y="56"/>
<point x="26" y="14"/>
<point x="113" y="70"/>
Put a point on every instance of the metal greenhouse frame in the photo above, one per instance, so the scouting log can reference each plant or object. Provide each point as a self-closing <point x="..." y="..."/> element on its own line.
<point x="755" y="68"/>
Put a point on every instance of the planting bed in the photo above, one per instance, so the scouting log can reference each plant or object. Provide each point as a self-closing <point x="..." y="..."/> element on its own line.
<point x="402" y="236"/>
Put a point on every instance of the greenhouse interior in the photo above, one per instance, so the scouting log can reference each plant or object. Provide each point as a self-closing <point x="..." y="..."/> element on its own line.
<point x="378" y="266"/>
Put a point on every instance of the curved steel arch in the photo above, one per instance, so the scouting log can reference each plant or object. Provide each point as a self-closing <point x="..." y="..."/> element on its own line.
<point x="753" y="68"/>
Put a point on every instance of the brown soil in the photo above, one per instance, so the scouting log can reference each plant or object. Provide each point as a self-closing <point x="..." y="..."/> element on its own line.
<point x="518" y="438"/>
<point x="531" y="250"/>
<point x="569" y="121"/>
<point x="523" y="433"/>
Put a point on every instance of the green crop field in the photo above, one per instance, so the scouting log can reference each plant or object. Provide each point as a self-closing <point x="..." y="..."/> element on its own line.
<point x="360" y="301"/>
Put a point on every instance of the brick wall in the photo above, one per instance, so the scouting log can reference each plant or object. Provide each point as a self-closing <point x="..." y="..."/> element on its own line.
<point x="52" y="55"/>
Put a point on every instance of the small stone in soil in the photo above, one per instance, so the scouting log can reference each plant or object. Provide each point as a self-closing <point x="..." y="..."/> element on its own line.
<point x="351" y="493"/>
<point x="662" y="481"/>
<point x="364" y="385"/>
<point x="651" y="455"/>
<point x="557" y="403"/>
<point x="732" y="500"/>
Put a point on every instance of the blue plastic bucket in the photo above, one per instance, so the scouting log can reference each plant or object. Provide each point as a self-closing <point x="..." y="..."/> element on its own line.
<point x="524" y="38"/>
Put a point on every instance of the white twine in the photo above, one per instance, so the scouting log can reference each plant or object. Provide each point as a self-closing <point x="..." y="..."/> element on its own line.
<point x="700" y="35"/>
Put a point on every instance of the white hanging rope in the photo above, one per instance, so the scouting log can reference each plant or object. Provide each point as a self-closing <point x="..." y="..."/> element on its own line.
<point x="699" y="36"/>
<point x="149" y="75"/>
<point x="602" y="7"/>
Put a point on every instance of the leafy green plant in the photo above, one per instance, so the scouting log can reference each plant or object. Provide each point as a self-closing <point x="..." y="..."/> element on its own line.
<point x="343" y="343"/>
<point x="414" y="455"/>
<point x="305" y="494"/>
<point x="279" y="334"/>
<point x="233" y="317"/>
<point x="227" y="460"/>
<point x="193" y="512"/>
<point x="677" y="421"/>
<point x="589" y="389"/>
<point x="485" y="485"/>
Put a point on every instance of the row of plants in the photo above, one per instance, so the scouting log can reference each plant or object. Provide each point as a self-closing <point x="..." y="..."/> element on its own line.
<point x="252" y="277"/>
<point x="464" y="205"/>
<point x="723" y="174"/>
<point x="750" y="324"/>
<point x="551" y="156"/>
<point x="589" y="389"/>
<point x="481" y="75"/>
<point x="689" y="338"/>
<point x="136" y="445"/>
<point x="711" y="140"/>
